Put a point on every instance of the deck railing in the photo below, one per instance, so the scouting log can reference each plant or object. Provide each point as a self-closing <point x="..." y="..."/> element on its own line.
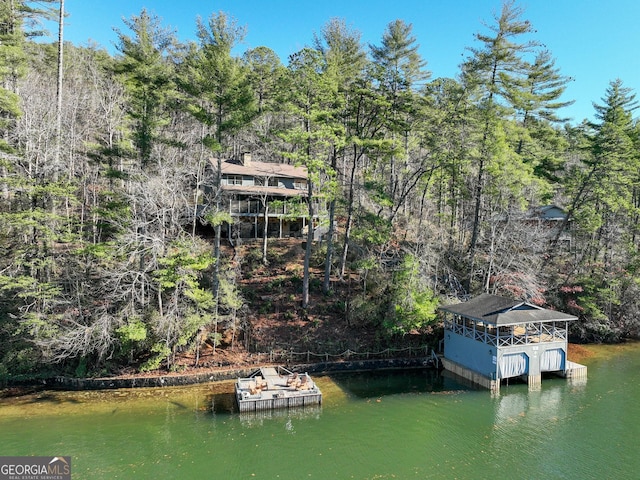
<point x="507" y="336"/>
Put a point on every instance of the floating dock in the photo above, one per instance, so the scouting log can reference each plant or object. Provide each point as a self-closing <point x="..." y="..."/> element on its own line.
<point x="276" y="387"/>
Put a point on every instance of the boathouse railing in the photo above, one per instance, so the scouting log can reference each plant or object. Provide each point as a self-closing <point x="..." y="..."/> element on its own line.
<point x="504" y="336"/>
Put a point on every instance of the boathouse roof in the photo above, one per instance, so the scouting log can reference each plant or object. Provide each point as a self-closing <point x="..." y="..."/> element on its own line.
<point x="503" y="311"/>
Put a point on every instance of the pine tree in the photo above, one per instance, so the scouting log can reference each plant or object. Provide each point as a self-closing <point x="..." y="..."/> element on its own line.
<point x="264" y="72"/>
<point x="344" y="66"/>
<point x="399" y="71"/>
<point x="312" y="135"/>
<point x="148" y="77"/>
<point x="538" y="103"/>
<point x="493" y="73"/>
<point x="12" y="67"/>
<point x="219" y="96"/>
<point x="604" y="211"/>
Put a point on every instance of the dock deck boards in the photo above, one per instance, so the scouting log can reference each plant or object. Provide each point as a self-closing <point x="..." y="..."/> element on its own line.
<point x="271" y="388"/>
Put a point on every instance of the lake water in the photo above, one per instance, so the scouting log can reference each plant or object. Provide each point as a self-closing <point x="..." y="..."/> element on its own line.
<point x="385" y="425"/>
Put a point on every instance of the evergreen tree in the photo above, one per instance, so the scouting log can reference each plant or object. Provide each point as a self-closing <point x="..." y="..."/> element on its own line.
<point x="399" y="70"/>
<point x="12" y="67"/>
<point x="447" y="133"/>
<point x="493" y="74"/>
<point x="219" y="96"/>
<point x="313" y="135"/>
<point x="537" y="103"/>
<point x="604" y="210"/>
<point x="148" y="77"/>
<point x="264" y="72"/>
<point x="344" y="65"/>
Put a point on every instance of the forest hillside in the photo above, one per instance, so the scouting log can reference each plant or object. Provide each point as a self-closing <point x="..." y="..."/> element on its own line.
<point x="112" y="253"/>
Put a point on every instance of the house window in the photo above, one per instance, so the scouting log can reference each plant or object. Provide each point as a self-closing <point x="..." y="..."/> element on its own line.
<point x="254" y="206"/>
<point x="299" y="184"/>
<point x="234" y="179"/>
<point x="258" y="181"/>
<point x="274" y="182"/>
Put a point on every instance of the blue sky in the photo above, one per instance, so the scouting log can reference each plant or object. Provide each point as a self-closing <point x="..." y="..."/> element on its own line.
<point x="593" y="41"/>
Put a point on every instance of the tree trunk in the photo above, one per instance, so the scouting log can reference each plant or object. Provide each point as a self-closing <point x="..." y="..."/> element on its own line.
<point x="307" y="251"/>
<point x="216" y="255"/>
<point x="326" y="284"/>
<point x="347" y="231"/>
<point x="59" y="89"/>
<point x="265" y="232"/>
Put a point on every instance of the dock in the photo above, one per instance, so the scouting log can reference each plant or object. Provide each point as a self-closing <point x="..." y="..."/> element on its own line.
<point x="272" y="388"/>
<point x="576" y="372"/>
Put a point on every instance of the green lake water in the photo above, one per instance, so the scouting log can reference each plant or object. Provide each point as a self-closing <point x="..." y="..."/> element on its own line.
<point x="378" y="425"/>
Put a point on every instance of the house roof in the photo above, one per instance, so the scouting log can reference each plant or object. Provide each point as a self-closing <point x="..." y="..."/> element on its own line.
<point x="549" y="212"/>
<point x="502" y="311"/>
<point x="263" y="169"/>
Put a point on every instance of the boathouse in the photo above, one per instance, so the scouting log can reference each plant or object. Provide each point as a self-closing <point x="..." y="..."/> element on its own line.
<point x="490" y="338"/>
<point x="271" y="388"/>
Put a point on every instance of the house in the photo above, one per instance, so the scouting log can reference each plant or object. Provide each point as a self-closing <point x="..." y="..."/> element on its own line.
<point x="553" y="223"/>
<point x="259" y="194"/>
<point x="549" y="213"/>
<point x="490" y="338"/>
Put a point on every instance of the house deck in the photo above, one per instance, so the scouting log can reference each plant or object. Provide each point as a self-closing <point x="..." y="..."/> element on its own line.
<point x="270" y="388"/>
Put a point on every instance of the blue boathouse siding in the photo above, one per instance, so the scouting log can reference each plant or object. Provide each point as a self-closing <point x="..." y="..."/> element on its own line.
<point x="486" y="359"/>
<point x="469" y="353"/>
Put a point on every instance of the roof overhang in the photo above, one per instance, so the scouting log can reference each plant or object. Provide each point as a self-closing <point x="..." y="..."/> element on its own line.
<point x="502" y="311"/>
<point x="259" y="192"/>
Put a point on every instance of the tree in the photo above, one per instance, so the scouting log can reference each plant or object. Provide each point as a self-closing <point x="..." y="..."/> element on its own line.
<point x="217" y="85"/>
<point x="31" y="225"/>
<point x="344" y="65"/>
<point x="604" y="211"/>
<point x="414" y="303"/>
<point x="399" y="69"/>
<point x="615" y="166"/>
<point x="537" y="103"/>
<point x="267" y="78"/>
<point x="220" y="98"/>
<point x="185" y="306"/>
<point x="148" y="77"/>
<point x="59" y="81"/>
<point x="446" y="131"/>
<point x="264" y="72"/>
<point x="493" y="73"/>
<point x="312" y="136"/>
<point x="12" y="65"/>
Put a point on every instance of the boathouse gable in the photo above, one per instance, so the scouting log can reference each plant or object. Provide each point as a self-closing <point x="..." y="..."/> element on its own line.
<point x="491" y="338"/>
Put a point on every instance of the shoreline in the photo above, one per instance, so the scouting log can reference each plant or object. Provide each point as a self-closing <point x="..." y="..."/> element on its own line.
<point x="22" y="387"/>
<point x="15" y="388"/>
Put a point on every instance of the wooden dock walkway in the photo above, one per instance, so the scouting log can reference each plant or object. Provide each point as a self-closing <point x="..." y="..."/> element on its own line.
<point x="276" y="387"/>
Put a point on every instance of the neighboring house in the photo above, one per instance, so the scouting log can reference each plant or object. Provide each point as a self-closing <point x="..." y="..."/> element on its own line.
<point x="553" y="219"/>
<point x="490" y="338"/>
<point x="256" y="194"/>
<point x="549" y="213"/>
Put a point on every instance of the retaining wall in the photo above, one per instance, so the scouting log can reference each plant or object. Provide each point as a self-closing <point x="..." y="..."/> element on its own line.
<point x="67" y="383"/>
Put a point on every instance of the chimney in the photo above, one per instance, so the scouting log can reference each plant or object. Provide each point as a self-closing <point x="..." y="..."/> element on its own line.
<point x="246" y="159"/>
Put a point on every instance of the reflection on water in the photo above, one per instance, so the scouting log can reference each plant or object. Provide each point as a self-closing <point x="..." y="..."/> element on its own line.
<point x="383" y="425"/>
<point x="381" y="383"/>
<point x="258" y="418"/>
<point x="223" y="402"/>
